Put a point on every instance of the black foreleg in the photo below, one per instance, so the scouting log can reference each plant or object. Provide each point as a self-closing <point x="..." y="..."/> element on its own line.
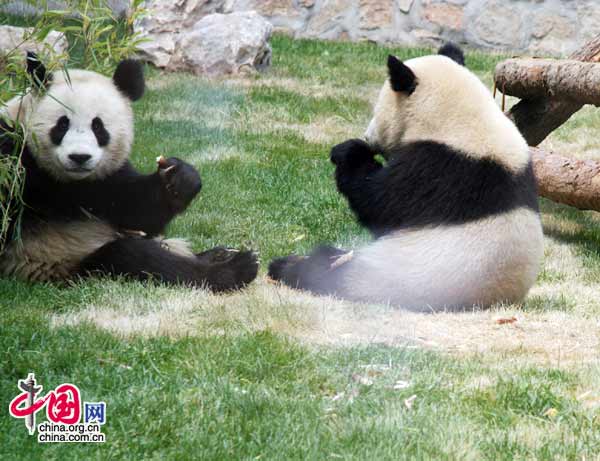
<point x="145" y="259"/>
<point x="357" y="175"/>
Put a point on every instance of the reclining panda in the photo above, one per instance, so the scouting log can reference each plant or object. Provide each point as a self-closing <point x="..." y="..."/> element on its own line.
<point x="88" y="211"/>
<point x="454" y="210"/>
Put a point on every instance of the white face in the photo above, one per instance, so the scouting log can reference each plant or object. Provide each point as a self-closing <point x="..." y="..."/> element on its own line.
<point x="387" y="126"/>
<point x="78" y="152"/>
<point x="81" y="130"/>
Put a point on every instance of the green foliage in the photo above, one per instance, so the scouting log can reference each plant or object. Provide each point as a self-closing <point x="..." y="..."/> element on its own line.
<point x="97" y="41"/>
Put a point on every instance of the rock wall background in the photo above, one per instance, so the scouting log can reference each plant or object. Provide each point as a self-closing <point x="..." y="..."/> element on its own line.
<point x="540" y="27"/>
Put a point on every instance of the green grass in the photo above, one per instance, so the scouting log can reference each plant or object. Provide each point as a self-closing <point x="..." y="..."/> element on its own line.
<point x="260" y="395"/>
<point x="224" y="389"/>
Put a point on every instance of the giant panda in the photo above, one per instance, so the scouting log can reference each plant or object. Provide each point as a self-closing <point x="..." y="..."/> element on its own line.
<point x="87" y="210"/>
<point x="454" y="210"/>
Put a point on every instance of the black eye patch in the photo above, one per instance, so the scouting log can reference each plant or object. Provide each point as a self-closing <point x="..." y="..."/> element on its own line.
<point x="58" y="131"/>
<point x="102" y="136"/>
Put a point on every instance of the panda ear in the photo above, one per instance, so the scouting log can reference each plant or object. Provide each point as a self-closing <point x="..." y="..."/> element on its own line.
<point x="453" y="51"/>
<point x="129" y="79"/>
<point x="37" y="71"/>
<point x="401" y="77"/>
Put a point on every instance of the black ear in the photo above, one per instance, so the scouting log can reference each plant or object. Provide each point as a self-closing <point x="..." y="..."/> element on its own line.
<point x="129" y="79"/>
<point x="453" y="51"/>
<point x="401" y="77"/>
<point x="37" y="71"/>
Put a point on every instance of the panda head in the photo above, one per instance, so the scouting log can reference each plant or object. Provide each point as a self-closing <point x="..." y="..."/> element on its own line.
<point x="81" y="123"/>
<point x="435" y="98"/>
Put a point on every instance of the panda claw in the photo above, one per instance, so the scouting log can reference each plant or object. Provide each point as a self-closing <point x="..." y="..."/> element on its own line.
<point x="236" y="272"/>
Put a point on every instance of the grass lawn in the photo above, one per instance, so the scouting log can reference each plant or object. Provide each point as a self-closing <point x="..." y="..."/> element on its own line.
<point x="271" y="373"/>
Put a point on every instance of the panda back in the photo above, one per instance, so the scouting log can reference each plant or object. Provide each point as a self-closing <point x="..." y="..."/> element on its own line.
<point x="427" y="183"/>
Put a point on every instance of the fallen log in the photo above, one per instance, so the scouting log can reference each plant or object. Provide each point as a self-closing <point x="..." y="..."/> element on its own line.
<point x="560" y="179"/>
<point x="567" y="180"/>
<point x="550" y="78"/>
<point x="536" y="118"/>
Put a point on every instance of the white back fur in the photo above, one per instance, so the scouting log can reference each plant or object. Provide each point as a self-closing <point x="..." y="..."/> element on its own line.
<point x="450" y="105"/>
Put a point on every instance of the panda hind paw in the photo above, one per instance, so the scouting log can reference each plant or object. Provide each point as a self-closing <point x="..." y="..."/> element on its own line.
<point x="279" y="268"/>
<point x="232" y="269"/>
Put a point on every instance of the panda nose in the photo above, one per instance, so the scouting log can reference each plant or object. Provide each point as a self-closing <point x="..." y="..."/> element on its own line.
<point x="80" y="159"/>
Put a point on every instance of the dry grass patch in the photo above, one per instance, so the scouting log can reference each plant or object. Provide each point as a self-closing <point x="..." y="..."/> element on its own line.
<point x="217" y="152"/>
<point x="308" y="88"/>
<point x="321" y="130"/>
<point x="549" y="338"/>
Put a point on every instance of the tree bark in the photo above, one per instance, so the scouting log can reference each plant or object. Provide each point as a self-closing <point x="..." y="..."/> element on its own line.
<point x="566" y="180"/>
<point x="561" y="179"/>
<point x="549" y="78"/>
<point x="538" y="117"/>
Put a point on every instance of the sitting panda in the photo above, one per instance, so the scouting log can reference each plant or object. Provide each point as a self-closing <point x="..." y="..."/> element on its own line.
<point x="454" y="211"/>
<point x="87" y="210"/>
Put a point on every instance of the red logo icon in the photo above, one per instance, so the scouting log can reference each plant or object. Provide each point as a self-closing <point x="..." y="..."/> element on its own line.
<point x="63" y="404"/>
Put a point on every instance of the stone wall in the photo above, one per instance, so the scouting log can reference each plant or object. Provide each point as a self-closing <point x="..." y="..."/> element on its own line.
<point x="540" y="27"/>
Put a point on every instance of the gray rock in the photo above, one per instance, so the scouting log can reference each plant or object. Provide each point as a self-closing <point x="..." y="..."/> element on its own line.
<point x="193" y="35"/>
<point x="12" y="38"/>
<point x="376" y="14"/>
<point x="588" y="15"/>
<point x="333" y="20"/>
<point x="497" y="24"/>
<point x="553" y="34"/>
<point x="165" y="20"/>
<point x="405" y="5"/>
<point x="222" y="44"/>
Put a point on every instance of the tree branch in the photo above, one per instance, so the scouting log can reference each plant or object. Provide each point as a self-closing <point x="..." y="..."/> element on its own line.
<point x="566" y="180"/>
<point x="538" y="117"/>
<point x="540" y="78"/>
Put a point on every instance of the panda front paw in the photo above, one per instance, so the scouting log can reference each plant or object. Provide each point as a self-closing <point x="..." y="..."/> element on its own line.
<point x="351" y="154"/>
<point x="181" y="182"/>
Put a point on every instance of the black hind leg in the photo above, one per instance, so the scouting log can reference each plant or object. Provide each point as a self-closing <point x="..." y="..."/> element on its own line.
<point x="317" y="272"/>
<point x="144" y="259"/>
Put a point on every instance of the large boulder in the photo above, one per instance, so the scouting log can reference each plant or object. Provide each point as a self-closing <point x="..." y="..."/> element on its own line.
<point x="214" y="44"/>
<point x="165" y="20"/>
<point x="12" y="38"/>
<point x="221" y="44"/>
